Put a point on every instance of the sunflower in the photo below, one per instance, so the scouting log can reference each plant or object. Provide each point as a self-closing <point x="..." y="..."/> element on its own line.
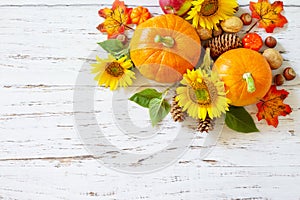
<point x="113" y="72"/>
<point x="202" y="95"/>
<point x="208" y="13"/>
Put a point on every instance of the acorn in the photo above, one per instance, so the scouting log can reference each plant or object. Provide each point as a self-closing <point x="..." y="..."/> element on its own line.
<point x="218" y="32"/>
<point x="123" y="38"/>
<point x="289" y="73"/>
<point x="270" y="42"/>
<point x="204" y="34"/>
<point x="278" y="79"/>
<point x="246" y="19"/>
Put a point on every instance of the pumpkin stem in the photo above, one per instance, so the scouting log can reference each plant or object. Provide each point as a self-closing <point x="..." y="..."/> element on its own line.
<point x="250" y="82"/>
<point x="167" y="41"/>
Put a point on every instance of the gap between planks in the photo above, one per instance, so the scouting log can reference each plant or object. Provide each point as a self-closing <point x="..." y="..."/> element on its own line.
<point x="82" y="157"/>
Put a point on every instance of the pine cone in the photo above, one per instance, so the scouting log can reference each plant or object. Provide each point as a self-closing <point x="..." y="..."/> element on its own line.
<point x="223" y="43"/>
<point x="176" y="111"/>
<point x="205" y="125"/>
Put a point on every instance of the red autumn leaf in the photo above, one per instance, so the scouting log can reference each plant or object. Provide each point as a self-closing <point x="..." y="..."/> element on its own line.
<point x="269" y="15"/>
<point x="272" y="106"/>
<point x="116" y="19"/>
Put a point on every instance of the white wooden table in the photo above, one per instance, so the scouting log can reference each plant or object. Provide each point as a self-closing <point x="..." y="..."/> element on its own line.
<point x="44" y="44"/>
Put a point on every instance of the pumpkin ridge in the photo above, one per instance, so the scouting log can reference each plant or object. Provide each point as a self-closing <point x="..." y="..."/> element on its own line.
<point x="161" y="68"/>
<point x="181" y="69"/>
<point x="244" y="90"/>
<point x="233" y="86"/>
<point x="163" y="22"/>
<point x="151" y="56"/>
<point x="159" y="51"/>
<point x="241" y="63"/>
<point x="237" y="82"/>
<point x="182" y="30"/>
<point x="170" y="23"/>
<point x="163" y="55"/>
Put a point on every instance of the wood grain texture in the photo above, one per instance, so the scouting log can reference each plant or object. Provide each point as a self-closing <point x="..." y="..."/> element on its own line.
<point x="44" y="44"/>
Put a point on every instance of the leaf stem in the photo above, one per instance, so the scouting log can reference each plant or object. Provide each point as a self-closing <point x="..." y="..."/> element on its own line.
<point x="253" y="26"/>
<point x="129" y="27"/>
<point x="121" y="23"/>
<point x="165" y="93"/>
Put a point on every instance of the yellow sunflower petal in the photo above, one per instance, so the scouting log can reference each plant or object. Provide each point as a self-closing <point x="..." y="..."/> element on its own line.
<point x="122" y="59"/>
<point x="193" y="111"/>
<point x="98" y="59"/>
<point x="202" y="111"/>
<point x="98" y="68"/>
<point x="113" y="84"/>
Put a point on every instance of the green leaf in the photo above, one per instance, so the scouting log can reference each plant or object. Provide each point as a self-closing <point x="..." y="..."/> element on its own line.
<point x="238" y="119"/>
<point x="158" y="110"/>
<point x="112" y="46"/>
<point x="144" y="97"/>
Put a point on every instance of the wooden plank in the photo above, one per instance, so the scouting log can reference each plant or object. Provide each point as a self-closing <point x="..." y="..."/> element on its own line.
<point x="44" y="44"/>
<point x="103" y="2"/>
<point x="87" y="179"/>
<point x="41" y="124"/>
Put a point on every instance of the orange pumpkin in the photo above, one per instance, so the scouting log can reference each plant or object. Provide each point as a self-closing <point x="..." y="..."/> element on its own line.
<point x="246" y="74"/>
<point x="164" y="47"/>
<point x="139" y="15"/>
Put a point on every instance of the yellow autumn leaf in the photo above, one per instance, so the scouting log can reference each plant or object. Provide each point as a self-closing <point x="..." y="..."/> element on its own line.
<point x="269" y="15"/>
<point x="116" y="19"/>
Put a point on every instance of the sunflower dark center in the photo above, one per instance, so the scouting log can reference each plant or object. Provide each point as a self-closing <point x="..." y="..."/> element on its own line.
<point x="209" y="7"/>
<point x="114" y="69"/>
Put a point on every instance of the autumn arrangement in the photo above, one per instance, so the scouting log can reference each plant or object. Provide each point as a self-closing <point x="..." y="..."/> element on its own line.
<point x="200" y="47"/>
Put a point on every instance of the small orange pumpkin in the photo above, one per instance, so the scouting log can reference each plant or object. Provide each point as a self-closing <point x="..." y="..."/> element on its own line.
<point x="164" y="47"/>
<point x="139" y="15"/>
<point x="246" y="74"/>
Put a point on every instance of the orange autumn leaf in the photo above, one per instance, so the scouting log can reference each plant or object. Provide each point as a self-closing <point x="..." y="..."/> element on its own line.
<point x="269" y="15"/>
<point x="116" y="19"/>
<point x="272" y="106"/>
